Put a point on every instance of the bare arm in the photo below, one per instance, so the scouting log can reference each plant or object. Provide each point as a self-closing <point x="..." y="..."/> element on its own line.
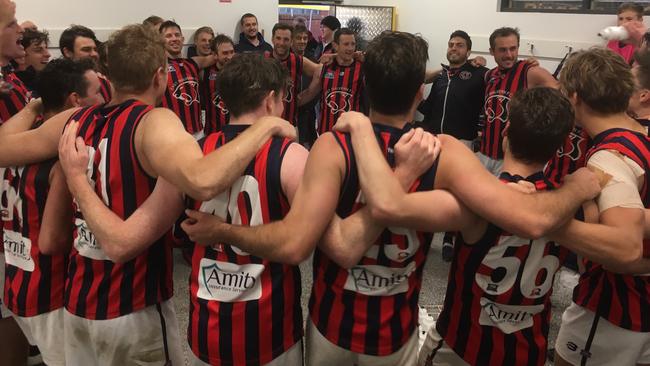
<point x="55" y="235"/>
<point x="121" y="240"/>
<point x="460" y="172"/>
<point x="292" y="239"/>
<point x="34" y="145"/>
<point x="166" y="150"/>
<point x="539" y="76"/>
<point x="23" y="120"/>
<point x="615" y="242"/>
<point x="313" y="89"/>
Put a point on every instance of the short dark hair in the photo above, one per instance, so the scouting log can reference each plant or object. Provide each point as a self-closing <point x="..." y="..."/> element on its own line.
<point x="331" y="22"/>
<point x="153" y="20"/>
<point x="169" y="24"/>
<point x="504" y="32"/>
<point x="638" y="9"/>
<point x="463" y="35"/>
<point x="219" y="40"/>
<point x="60" y="78"/>
<point x="282" y="26"/>
<point x="246" y="80"/>
<point x="247" y="15"/>
<point x="395" y="61"/>
<point x="341" y="32"/>
<point x="70" y="35"/>
<point x="600" y="78"/>
<point x="298" y="29"/>
<point x="34" y="37"/>
<point x="540" y="119"/>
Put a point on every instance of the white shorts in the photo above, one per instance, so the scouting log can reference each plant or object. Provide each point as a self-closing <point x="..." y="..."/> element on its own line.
<point x="321" y="352"/>
<point x="611" y="345"/>
<point x="47" y="333"/>
<point x="147" y="337"/>
<point x="435" y="351"/>
<point x="4" y="312"/>
<point x="293" y="356"/>
<point x="492" y="165"/>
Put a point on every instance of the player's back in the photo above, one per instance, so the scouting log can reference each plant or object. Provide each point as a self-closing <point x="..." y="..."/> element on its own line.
<point x="497" y="306"/>
<point x="244" y="309"/>
<point x="98" y="288"/>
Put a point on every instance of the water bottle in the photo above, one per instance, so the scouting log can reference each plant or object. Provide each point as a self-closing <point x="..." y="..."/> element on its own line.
<point x="614" y="34"/>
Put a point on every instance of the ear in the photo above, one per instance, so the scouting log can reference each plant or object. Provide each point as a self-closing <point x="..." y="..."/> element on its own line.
<point x="644" y="95"/>
<point x="73" y="100"/>
<point x="67" y="53"/>
<point x="159" y="78"/>
<point x="269" y="102"/>
<point x="419" y="96"/>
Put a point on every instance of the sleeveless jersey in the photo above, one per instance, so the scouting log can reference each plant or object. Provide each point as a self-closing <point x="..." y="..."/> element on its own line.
<point x="105" y="88"/>
<point x="500" y="87"/>
<point x="623" y="300"/>
<point x="96" y="287"/>
<point x="244" y="310"/>
<point x="34" y="281"/>
<point x="293" y="63"/>
<point x="497" y="307"/>
<point x="216" y="113"/>
<point x="342" y="88"/>
<point x="182" y="95"/>
<point x="372" y="308"/>
<point x="570" y="157"/>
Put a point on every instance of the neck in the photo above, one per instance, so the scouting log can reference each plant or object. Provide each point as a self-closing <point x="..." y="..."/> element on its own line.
<point x="173" y="56"/>
<point x="278" y="57"/>
<point x="249" y="118"/>
<point x="643" y="112"/>
<point x="147" y="97"/>
<point x="398" y="121"/>
<point x="456" y="65"/>
<point x="595" y="124"/>
<point x="253" y="40"/>
<point x="343" y="62"/>
<point x="516" y="167"/>
<point x="4" y="61"/>
<point x="299" y="52"/>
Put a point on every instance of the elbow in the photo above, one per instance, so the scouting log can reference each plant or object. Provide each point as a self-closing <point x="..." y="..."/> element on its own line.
<point x="116" y="253"/>
<point x="534" y="227"/>
<point x="297" y="252"/>
<point x="383" y="211"/>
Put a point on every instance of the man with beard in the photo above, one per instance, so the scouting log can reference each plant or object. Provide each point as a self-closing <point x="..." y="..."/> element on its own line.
<point x="250" y="40"/>
<point x="79" y="42"/>
<point x="455" y="103"/>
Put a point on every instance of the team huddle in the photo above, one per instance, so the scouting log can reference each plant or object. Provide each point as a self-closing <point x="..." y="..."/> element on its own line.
<point x="132" y="150"/>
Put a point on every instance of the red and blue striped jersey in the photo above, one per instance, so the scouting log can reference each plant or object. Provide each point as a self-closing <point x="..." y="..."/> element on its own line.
<point x="623" y="300"/>
<point x="372" y="308"/>
<point x="244" y="310"/>
<point x="342" y="88"/>
<point x="183" y="94"/>
<point x="497" y="307"/>
<point x="216" y="112"/>
<point x="98" y="288"/>
<point x="500" y="87"/>
<point x="293" y="63"/>
<point x="105" y="88"/>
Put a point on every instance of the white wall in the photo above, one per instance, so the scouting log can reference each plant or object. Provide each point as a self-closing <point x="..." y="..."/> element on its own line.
<point x="550" y="33"/>
<point x="105" y="16"/>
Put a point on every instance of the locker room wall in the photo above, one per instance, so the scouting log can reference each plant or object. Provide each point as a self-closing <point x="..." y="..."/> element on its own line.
<point x="107" y="16"/>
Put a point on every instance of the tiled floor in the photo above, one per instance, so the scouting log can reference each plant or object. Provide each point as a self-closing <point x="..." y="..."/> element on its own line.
<point x="431" y="298"/>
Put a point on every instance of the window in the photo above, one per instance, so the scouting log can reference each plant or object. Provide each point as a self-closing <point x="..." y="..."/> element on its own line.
<point x="567" y="6"/>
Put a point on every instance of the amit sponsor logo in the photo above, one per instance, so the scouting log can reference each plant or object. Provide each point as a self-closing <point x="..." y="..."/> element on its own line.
<point x="379" y="280"/>
<point x="508" y="318"/>
<point x="229" y="282"/>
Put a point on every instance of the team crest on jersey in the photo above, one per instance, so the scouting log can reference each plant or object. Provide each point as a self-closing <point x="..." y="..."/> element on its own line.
<point x="288" y="95"/>
<point x="329" y="75"/>
<point x="221" y="106"/>
<point x="465" y="75"/>
<point x="170" y="68"/>
<point x="187" y="92"/>
<point x="229" y="282"/>
<point x="496" y="108"/>
<point x="574" y="152"/>
<point x="213" y="76"/>
<point x="339" y="100"/>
